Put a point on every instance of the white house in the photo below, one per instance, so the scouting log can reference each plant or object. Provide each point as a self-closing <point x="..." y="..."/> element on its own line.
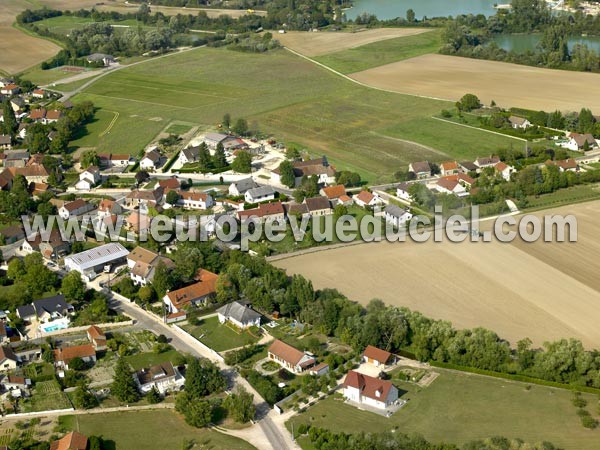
<point x="164" y="377"/>
<point x="369" y="391"/>
<point x="195" y="200"/>
<point x="193" y="295"/>
<point x="142" y="265"/>
<point x="366" y="198"/>
<point x="376" y="356"/>
<point x="88" y="178"/>
<point x="259" y="194"/>
<point x="578" y="141"/>
<point x="421" y="169"/>
<point x="189" y="155"/>
<point x="150" y="161"/>
<point x="8" y="359"/>
<point x="290" y="358"/>
<point x="242" y="316"/>
<point x="396" y="216"/>
<point x="504" y="170"/>
<point x="240" y="187"/>
<point x="519" y="122"/>
<point x="450" y="186"/>
<point x="75" y="208"/>
<point x="402" y="192"/>
<point x="120" y="160"/>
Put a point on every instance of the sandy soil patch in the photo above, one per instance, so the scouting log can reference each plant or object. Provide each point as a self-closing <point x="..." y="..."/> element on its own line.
<point x="450" y="77"/>
<point x="543" y="291"/>
<point x="321" y="43"/>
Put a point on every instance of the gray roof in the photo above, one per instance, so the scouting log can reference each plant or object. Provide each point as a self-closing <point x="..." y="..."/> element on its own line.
<point x="56" y="304"/>
<point x="468" y="165"/>
<point x="261" y="191"/>
<point x="99" y="57"/>
<point x="421" y="166"/>
<point x="238" y="312"/>
<point x="215" y="137"/>
<point x="10" y="155"/>
<point x="5" y="139"/>
<point x="191" y="152"/>
<point x="317" y="203"/>
<point x="25" y="311"/>
<point x="394" y="210"/>
<point x="97" y="256"/>
<point x="245" y="185"/>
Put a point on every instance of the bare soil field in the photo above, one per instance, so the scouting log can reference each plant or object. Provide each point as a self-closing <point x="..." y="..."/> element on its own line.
<point x="321" y="43"/>
<point x="544" y="291"/>
<point x="450" y="77"/>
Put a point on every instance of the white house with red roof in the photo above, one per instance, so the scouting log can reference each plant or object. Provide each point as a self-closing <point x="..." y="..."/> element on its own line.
<point x="369" y="391"/>
<point x="290" y="358"/>
<point x="366" y="198"/>
<point x="376" y="356"/>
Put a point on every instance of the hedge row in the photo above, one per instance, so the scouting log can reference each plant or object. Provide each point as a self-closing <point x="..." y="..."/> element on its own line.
<point x="170" y="163"/>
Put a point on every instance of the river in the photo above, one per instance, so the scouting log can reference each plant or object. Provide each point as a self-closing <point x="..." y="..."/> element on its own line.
<point x="390" y="9"/>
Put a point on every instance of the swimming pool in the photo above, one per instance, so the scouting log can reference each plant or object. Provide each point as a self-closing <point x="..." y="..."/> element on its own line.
<point x="56" y="325"/>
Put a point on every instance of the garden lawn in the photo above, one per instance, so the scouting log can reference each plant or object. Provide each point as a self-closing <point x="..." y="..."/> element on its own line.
<point x="219" y="337"/>
<point x="160" y="429"/>
<point x="47" y="396"/>
<point x="145" y="360"/>
<point x="459" y="407"/>
<point x="382" y="52"/>
<point x="373" y="132"/>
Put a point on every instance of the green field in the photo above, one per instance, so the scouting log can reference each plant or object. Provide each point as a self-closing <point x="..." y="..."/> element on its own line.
<point x="382" y="52"/>
<point x="219" y="337"/>
<point x="287" y="96"/>
<point x="161" y="429"/>
<point x="459" y="407"/>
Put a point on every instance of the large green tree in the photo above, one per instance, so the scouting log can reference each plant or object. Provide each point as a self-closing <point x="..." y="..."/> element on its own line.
<point x="242" y="162"/>
<point x="124" y="386"/>
<point x="286" y="174"/>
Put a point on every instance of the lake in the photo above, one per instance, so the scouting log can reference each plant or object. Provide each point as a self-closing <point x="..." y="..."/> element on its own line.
<point x="390" y="9"/>
<point x="520" y="43"/>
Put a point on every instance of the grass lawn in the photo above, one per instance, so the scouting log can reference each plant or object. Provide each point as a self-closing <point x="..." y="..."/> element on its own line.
<point x="382" y="52"/>
<point x="178" y="128"/>
<point x="219" y="337"/>
<point x="89" y="135"/>
<point x="161" y="429"/>
<point x="43" y="77"/>
<point x="373" y="132"/>
<point x="145" y="360"/>
<point x="459" y="407"/>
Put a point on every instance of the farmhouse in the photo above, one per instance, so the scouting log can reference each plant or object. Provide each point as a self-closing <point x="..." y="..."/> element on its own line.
<point x="369" y="391"/>
<point x="194" y="294"/>
<point x="33" y="174"/>
<point x="242" y="316"/>
<point x="289" y="357"/>
<point x="97" y="337"/>
<point x="72" y="441"/>
<point x="376" y="356"/>
<point x="396" y="216"/>
<point x="420" y="169"/>
<point x="214" y="139"/>
<point x="232" y="144"/>
<point x="240" y="187"/>
<point x="64" y="355"/>
<point x="162" y="377"/>
<point x="318" y="206"/>
<point x="75" y="208"/>
<point x="142" y="265"/>
<point x="15" y="158"/>
<point x="95" y="260"/>
<point x="259" y="194"/>
<point x="195" y="200"/>
<point x="519" y="122"/>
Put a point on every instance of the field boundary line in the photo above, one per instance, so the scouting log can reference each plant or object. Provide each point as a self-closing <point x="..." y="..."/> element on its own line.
<point x="110" y="125"/>
<point x="360" y="83"/>
<point x="480" y="129"/>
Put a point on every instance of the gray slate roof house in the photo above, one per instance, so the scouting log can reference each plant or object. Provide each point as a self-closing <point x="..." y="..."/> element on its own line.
<point x="239" y="314"/>
<point x="242" y="186"/>
<point x="55" y="306"/>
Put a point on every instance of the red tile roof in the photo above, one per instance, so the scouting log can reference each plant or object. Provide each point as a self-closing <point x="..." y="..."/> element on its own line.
<point x="377" y="354"/>
<point x="332" y="192"/>
<point x="205" y="286"/>
<point x="286" y="352"/>
<point x="365" y="197"/>
<point x="370" y="387"/>
<point x="72" y="441"/>
<point x="66" y="354"/>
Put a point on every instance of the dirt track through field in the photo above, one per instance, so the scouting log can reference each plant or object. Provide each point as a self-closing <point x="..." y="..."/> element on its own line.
<point x="323" y="42"/>
<point x="509" y="85"/>
<point x="542" y="291"/>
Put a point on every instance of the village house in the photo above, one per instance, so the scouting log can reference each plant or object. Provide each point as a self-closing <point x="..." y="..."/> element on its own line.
<point x="240" y="187"/>
<point x="259" y="194"/>
<point x="377" y="357"/>
<point x="15" y="158"/>
<point x="290" y="358"/>
<point x="33" y="174"/>
<point x="369" y="391"/>
<point x="468" y="166"/>
<point x="318" y="206"/>
<point x="195" y="294"/>
<point x="108" y="207"/>
<point x="53" y="115"/>
<point x="577" y="141"/>
<point x="396" y="216"/>
<point x="565" y="165"/>
<point x="366" y="198"/>
<point x="5" y="142"/>
<point x="72" y="441"/>
<point x="420" y="169"/>
<point x="296" y="209"/>
<point x="213" y="139"/>
<point x="234" y="144"/>
<point x="10" y="89"/>
<point x="16" y="382"/>
<point x="319" y="369"/>
<point x="142" y="265"/>
<point x="18" y="106"/>
<point x="46" y="310"/>
<point x="150" y="161"/>
<point x="101" y="58"/>
<point x="189" y="155"/>
<point x="242" y="316"/>
<point x="450" y="186"/>
<point x="482" y="163"/>
<point x="333" y="193"/>
<point x="449" y="168"/>
<point x="144" y="199"/>
<point x="8" y="359"/>
<point x="97" y="338"/>
<point x="402" y="192"/>
<point x="51" y="246"/>
<point x="120" y="160"/>
<point x="64" y="355"/>
<point x="195" y="200"/>
<point x="504" y="170"/>
<point x="519" y="122"/>
<point x="162" y="377"/>
<point x="38" y="93"/>
<point x="170" y="184"/>
<point x="88" y="178"/>
<point x="319" y="167"/>
<point x="75" y="208"/>
<point x="138" y="222"/>
<point x="272" y="212"/>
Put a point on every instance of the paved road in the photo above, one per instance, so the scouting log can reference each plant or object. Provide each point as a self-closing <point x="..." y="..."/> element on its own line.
<point x="274" y="435"/>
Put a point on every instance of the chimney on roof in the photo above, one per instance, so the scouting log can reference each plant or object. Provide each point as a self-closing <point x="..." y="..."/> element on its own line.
<point x="325" y="162"/>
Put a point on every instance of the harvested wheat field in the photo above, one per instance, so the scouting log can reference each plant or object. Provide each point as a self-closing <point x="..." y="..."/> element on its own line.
<point x="450" y="77"/>
<point x="321" y="43"/>
<point x="543" y="291"/>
